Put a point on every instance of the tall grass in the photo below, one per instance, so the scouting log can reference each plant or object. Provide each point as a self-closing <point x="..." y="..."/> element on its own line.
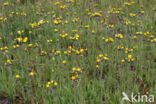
<point x="110" y="43"/>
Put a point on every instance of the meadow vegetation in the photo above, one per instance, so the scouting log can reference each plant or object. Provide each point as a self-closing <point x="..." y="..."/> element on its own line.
<point x="76" y="51"/>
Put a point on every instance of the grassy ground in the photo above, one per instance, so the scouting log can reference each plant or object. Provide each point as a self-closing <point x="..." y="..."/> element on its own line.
<point x="76" y="51"/>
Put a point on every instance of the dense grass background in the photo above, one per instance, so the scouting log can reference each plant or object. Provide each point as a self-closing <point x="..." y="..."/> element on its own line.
<point x="114" y="47"/>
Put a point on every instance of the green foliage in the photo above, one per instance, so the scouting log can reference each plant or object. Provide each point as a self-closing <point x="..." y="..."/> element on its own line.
<point x="76" y="51"/>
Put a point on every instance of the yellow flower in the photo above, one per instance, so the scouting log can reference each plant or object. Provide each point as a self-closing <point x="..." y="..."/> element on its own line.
<point x="47" y="85"/>
<point x="81" y="50"/>
<point x="36" y="44"/>
<point x="63" y="6"/>
<point x="93" y="31"/>
<point x="31" y="73"/>
<point x="18" y="0"/>
<point x="6" y="4"/>
<point x="103" y="38"/>
<point x="55" y="30"/>
<point x="121" y="36"/>
<point x="96" y="14"/>
<point x="65" y="52"/>
<point x="86" y="26"/>
<point x="134" y="37"/>
<point x="49" y="41"/>
<point x="30" y="32"/>
<point x="77" y="52"/>
<point x="52" y="81"/>
<point x="66" y="21"/>
<point x="106" y="40"/>
<point x="19" y="32"/>
<point x="129" y="56"/>
<point x="100" y="55"/>
<point x="19" y="39"/>
<point x="56" y="3"/>
<point x="111" y="39"/>
<point x="74" y="69"/>
<point x="58" y="52"/>
<point x="145" y="34"/>
<point x="8" y="61"/>
<point x="141" y="32"/>
<point x="73" y="77"/>
<point x="64" y="61"/>
<point x="147" y="93"/>
<point x="106" y="58"/>
<point x="29" y="45"/>
<point x="17" y="45"/>
<point x="111" y="26"/>
<point x="77" y="36"/>
<point x="56" y="22"/>
<point x="78" y="69"/>
<point x="132" y="14"/>
<point x="122" y="60"/>
<point x="14" y="46"/>
<point x="98" y="60"/>
<point x="97" y="66"/>
<point x="142" y="12"/>
<point x="17" y="76"/>
<point x="25" y="39"/>
<point x="55" y="84"/>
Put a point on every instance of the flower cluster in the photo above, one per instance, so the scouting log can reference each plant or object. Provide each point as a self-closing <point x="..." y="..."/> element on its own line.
<point x="76" y="72"/>
<point x="51" y="84"/>
<point x="129" y="3"/>
<point x="108" y="40"/>
<point x="8" y="62"/>
<point x="3" y="19"/>
<point x="100" y="59"/>
<point x="120" y="36"/>
<point x="5" y="49"/>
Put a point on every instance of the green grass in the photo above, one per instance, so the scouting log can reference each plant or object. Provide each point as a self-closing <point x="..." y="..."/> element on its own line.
<point x="103" y="76"/>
